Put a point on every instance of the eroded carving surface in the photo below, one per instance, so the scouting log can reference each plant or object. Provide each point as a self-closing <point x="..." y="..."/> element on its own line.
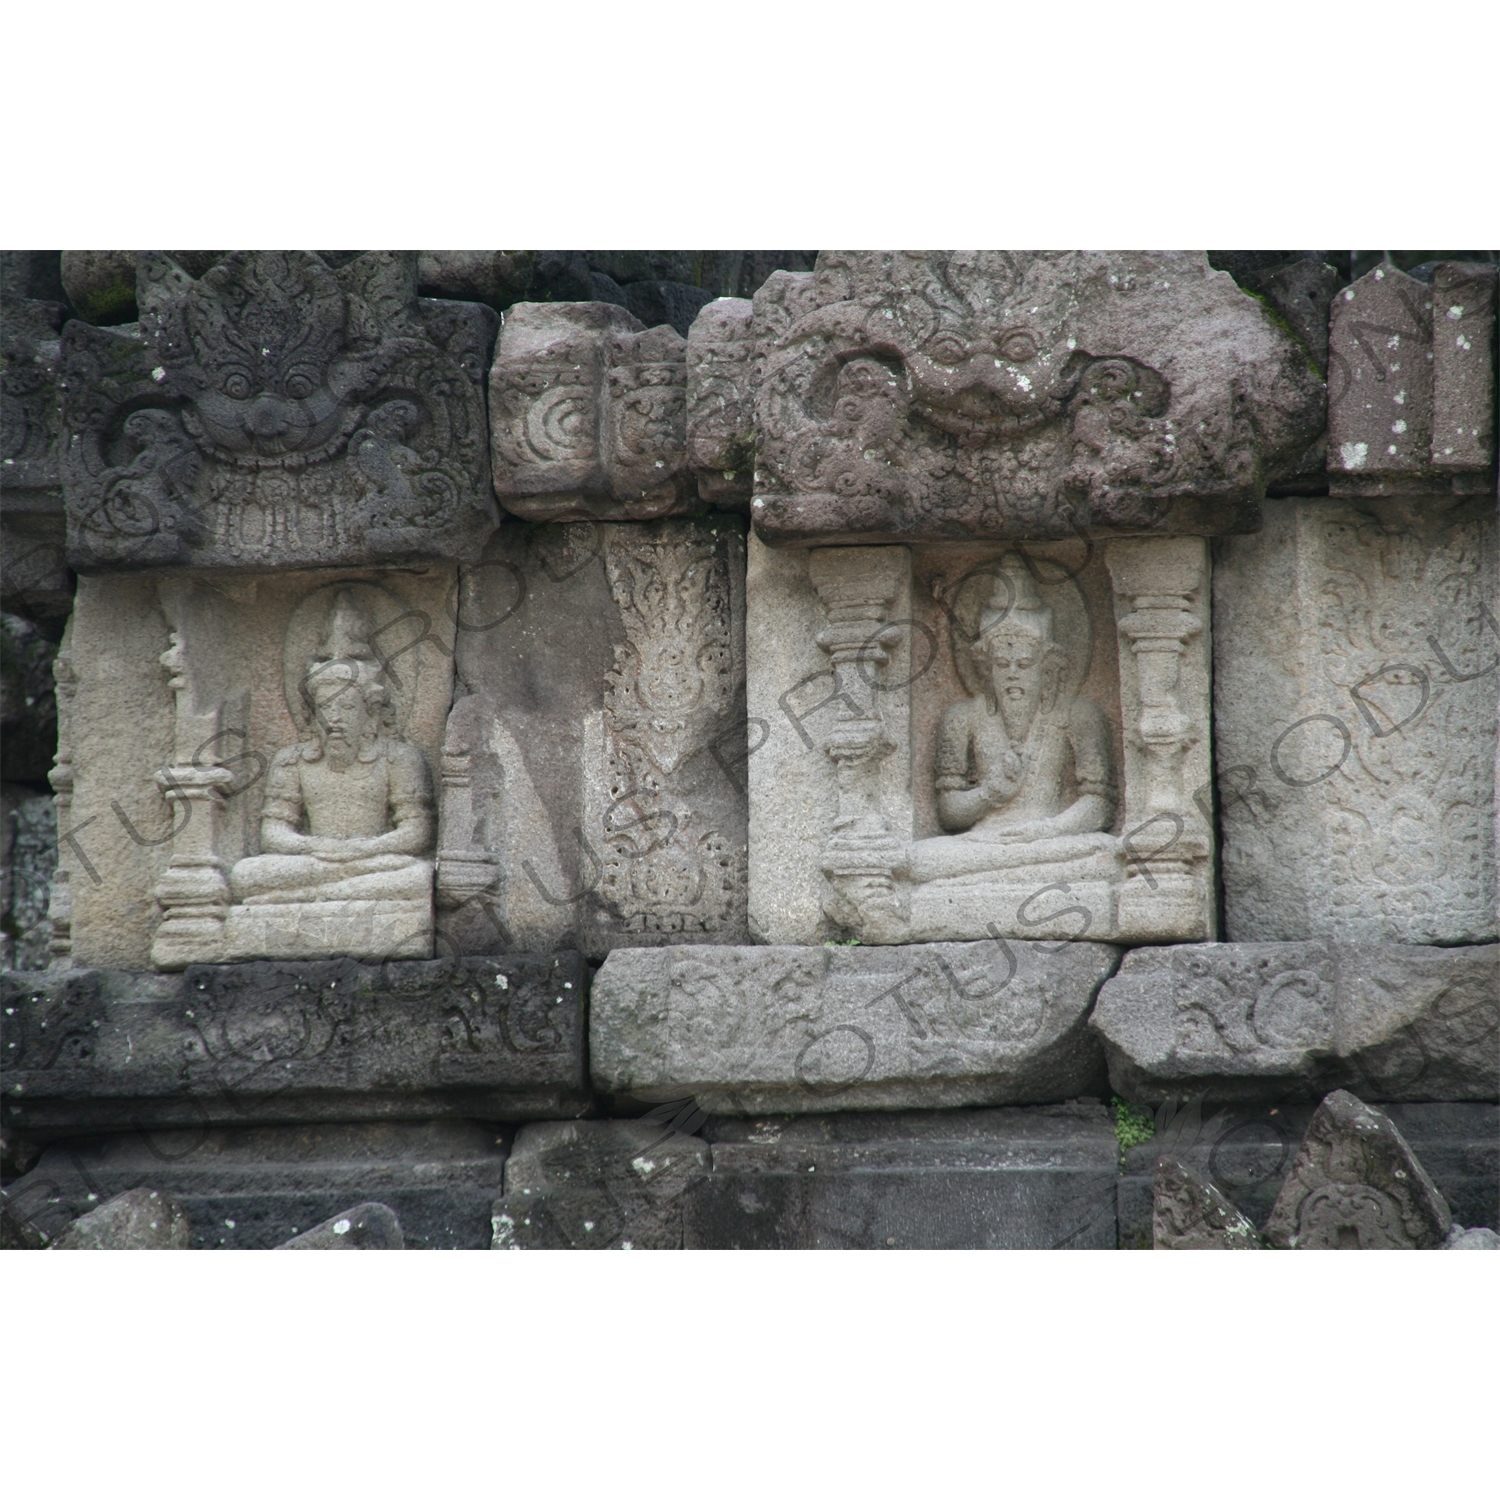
<point x="277" y="413"/>
<point x="1019" y="394"/>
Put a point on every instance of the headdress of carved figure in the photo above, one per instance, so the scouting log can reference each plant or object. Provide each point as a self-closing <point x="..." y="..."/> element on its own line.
<point x="345" y="663"/>
<point x="1015" y="618"/>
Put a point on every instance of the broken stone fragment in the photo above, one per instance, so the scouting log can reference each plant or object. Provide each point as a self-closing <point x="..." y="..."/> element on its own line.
<point x="1357" y="1185"/>
<point x="1190" y="1213"/>
<point x="368" y="1226"/>
<point x="1460" y="1238"/>
<point x="142" y="1219"/>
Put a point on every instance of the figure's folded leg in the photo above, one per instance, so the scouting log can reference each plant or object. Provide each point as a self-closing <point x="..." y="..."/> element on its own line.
<point x="265" y="877"/>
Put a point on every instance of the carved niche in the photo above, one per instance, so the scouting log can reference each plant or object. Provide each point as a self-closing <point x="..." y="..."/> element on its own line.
<point x="278" y="413"/>
<point x="246" y="765"/>
<point x="594" y="773"/>
<point x="976" y="742"/>
<point x="1028" y="394"/>
<point x="588" y="414"/>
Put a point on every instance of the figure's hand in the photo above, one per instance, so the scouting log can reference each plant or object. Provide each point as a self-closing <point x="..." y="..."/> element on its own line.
<point x="1005" y="779"/>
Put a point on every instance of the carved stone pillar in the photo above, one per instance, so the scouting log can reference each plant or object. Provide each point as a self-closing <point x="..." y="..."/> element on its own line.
<point x="1161" y="609"/>
<point x="60" y="904"/>
<point x="193" y="890"/>
<point x="466" y="869"/>
<point x="862" y="855"/>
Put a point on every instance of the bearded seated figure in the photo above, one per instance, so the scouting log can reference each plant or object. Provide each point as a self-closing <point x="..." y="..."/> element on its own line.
<point x="1023" y="773"/>
<point x="347" y="819"/>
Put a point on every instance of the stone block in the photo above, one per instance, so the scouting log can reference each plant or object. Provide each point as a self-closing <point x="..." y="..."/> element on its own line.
<point x="367" y="1226"/>
<point x="1411" y="384"/>
<point x="587" y="410"/>
<point x="990" y="1179"/>
<point x="1278" y="1022"/>
<point x="254" y="1189"/>
<point x="1190" y="1213"/>
<point x="747" y="1030"/>
<point x="1357" y="1185"/>
<point x="278" y="413"/>
<point x="234" y="747"/>
<point x="28" y="857"/>
<point x="234" y="1044"/>
<point x="1030" y="395"/>
<point x="1246" y="1151"/>
<point x="1355" y="697"/>
<point x="1460" y="1238"/>
<point x="594" y="772"/>
<point x="597" y="1185"/>
<point x="720" y="401"/>
<point x="34" y="577"/>
<point x="954" y="743"/>
<point x="142" y="1219"/>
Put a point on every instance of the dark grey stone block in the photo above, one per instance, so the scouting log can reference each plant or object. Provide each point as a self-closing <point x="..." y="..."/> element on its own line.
<point x="1247" y="1151"/>
<point x="999" y="1179"/>
<point x="142" y="1219"/>
<point x="597" y="1185"/>
<point x="233" y="1044"/>
<point x="255" y="1189"/>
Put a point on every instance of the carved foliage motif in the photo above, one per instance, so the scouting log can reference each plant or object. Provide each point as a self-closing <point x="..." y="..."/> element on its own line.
<point x="277" y="412"/>
<point x="665" y="700"/>
<point x="1019" y="394"/>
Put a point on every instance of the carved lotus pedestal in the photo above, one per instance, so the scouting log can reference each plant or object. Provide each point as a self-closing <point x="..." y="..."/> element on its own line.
<point x="961" y="742"/>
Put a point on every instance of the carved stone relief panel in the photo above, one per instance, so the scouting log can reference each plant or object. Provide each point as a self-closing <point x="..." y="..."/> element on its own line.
<point x="35" y="581"/>
<point x="961" y="742"/>
<point x="278" y="413"/>
<point x="594" y="769"/>
<point x="249" y="763"/>
<point x="1355" y="688"/>
<point x="1411" y="383"/>
<point x="588" y="409"/>
<point x="945" y="395"/>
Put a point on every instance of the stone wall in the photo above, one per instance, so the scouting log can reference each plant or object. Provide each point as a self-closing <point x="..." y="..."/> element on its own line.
<point x="750" y="749"/>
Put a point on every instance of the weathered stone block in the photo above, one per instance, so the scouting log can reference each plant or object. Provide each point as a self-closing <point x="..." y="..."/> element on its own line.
<point x="955" y="743"/>
<point x="232" y="745"/>
<point x="254" y="1189"/>
<point x="278" y="413"/>
<point x="367" y="1226"/>
<point x="1246" y="1151"/>
<point x="745" y="1030"/>
<point x="721" y="353"/>
<point x="597" y="1185"/>
<point x="948" y="395"/>
<point x="1355" y="695"/>
<point x="142" y="1219"/>
<point x="594" y="773"/>
<point x="34" y="577"/>
<point x="587" y="411"/>
<point x="1190" y="1213"/>
<point x="1411" y="384"/>
<point x="222" y="1044"/>
<point x="1237" y="1022"/>
<point x="992" y="1179"/>
<point x="1357" y="1185"/>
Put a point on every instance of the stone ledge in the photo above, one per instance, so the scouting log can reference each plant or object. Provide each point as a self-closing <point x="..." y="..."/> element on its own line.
<point x="259" y="1043"/>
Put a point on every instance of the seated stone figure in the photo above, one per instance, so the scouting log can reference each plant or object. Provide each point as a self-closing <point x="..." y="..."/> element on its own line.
<point x="348" y="813"/>
<point x="1023" y="771"/>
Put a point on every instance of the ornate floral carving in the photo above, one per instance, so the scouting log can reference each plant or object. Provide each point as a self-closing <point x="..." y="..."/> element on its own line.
<point x="664" y="702"/>
<point x="278" y="413"/>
